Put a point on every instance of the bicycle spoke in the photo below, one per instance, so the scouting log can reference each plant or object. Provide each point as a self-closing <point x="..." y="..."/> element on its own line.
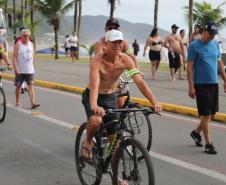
<point x="132" y="170"/>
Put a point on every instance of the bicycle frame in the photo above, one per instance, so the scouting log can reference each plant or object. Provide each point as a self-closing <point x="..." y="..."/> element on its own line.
<point x="124" y="85"/>
<point x="111" y="148"/>
<point x="119" y="136"/>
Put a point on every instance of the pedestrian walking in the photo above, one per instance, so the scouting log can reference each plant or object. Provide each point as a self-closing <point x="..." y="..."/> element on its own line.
<point x="196" y="34"/>
<point x="24" y="85"/>
<point x="203" y="58"/>
<point x="73" y="40"/>
<point x="175" y="48"/>
<point x="3" y="47"/>
<point x="185" y="48"/>
<point x="155" y="43"/>
<point x="136" y="47"/>
<point x="23" y="66"/>
<point x="67" y="46"/>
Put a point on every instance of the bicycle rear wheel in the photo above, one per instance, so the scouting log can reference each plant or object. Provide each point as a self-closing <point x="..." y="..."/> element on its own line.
<point x="140" y="124"/>
<point x="129" y="168"/>
<point x="87" y="170"/>
<point x="2" y="105"/>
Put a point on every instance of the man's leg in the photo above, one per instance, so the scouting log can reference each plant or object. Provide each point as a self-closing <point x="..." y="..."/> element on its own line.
<point x="180" y="68"/>
<point x="92" y="126"/>
<point x="17" y="93"/>
<point x="172" y="73"/>
<point x="18" y="83"/>
<point x="120" y="101"/>
<point x="205" y="124"/>
<point x="31" y="94"/>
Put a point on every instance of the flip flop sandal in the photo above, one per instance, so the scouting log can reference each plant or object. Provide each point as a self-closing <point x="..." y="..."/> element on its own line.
<point x="35" y="106"/>
<point x="86" y="153"/>
<point x="122" y="182"/>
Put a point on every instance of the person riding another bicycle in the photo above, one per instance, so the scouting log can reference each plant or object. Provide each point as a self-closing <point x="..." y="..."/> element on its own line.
<point x="100" y="94"/>
<point x="3" y="52"/>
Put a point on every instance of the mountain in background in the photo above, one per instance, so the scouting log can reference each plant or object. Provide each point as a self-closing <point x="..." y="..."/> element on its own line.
<point x="92" y="28"/>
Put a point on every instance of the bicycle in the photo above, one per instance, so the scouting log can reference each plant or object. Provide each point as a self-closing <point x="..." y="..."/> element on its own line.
<point x="2" y="96"/>
<point x="139" y="123"/>
<point x="125" y="166"/>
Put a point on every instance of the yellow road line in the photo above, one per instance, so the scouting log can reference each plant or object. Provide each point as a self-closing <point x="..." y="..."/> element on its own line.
<point x="144" y="102"/>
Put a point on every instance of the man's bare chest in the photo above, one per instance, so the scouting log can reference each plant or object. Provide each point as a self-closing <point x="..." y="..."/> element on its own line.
<point x="111" y="71"/>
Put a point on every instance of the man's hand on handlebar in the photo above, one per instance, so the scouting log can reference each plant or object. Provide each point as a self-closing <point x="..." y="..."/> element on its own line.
<point x="157" y="107"/>
<point x="98" y="111"/>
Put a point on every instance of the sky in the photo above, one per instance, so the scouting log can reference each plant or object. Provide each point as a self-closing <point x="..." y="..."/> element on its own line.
<point x="142" y="11"/>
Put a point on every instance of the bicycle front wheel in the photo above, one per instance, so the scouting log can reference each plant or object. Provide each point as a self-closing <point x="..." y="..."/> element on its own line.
<point x="129" y="168"/>
<point x="2" y="105"/>
<point x="140" y="124"/>
<point x="87" y="171"/>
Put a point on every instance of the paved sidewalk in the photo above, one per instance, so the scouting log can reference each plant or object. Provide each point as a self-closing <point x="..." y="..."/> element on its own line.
<point x="77" y="75"/>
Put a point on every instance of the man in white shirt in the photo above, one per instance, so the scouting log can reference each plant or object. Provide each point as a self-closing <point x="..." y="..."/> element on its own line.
<point x="23" y="66"/>
<point x="73" y="40"/>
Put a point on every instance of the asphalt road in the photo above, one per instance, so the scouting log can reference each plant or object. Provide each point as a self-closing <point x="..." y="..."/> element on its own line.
<point x="37" y="147"/>
<point x="164" y="89"/>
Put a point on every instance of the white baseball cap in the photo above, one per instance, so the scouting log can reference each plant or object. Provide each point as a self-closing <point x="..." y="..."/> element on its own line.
<point x="113" y="35"/>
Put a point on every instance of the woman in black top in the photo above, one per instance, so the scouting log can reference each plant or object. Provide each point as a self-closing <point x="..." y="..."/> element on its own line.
<point x="155" y="43"/>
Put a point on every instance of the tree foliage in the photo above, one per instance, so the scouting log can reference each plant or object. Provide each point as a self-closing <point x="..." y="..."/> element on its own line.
<point x="204" y="12"/>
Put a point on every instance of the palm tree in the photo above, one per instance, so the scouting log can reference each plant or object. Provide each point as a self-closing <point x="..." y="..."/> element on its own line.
<point x="14" y="19"/>
<point x="190" y="16"/>
<point x="75" y="15"/>
<point x="79" y="23"/>
<point x="22" y="12"/>
<point x="53" y="10"/>
<point x="112" y="7"/>
<point x="156" y="13"/>
<point x="204" y="12"/>
<point x="6" y="8"/>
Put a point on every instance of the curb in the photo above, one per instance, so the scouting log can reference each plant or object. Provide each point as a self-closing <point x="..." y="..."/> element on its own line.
<point x="221" y="117"/>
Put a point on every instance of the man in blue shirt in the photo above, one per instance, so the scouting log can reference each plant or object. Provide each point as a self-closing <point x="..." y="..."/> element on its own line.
<point x="203" y="60"/>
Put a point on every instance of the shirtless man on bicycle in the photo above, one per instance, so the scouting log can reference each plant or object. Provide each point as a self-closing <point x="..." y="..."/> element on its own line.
<point x="100" y="94"/>
<point x="101" y="45"/>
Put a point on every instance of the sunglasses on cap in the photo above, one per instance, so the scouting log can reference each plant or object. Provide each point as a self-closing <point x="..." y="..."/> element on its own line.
<point x="113" y="27"/>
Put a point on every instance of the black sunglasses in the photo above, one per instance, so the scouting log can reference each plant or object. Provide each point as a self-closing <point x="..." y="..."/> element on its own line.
<point x="113" y="27"/>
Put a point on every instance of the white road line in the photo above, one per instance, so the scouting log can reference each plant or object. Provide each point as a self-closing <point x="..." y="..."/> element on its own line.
<point x="210" y="173"/>
<point x="192" y="120"/>
<point x="46" y="118"/>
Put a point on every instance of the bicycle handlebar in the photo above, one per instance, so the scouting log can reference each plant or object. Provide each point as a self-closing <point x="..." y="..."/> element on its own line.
<point x="125" y="81"/>
<point x="147" y="110"/>
<point x="2" y="69"/>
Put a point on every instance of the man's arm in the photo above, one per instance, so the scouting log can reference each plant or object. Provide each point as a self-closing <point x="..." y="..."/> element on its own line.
<point x="15" y="53"/>
<point x="94" y="81"/>
<point x="181" y="46"/>
<point x="166" y="43"/>
<point x="98" y="47"/>
<point x="142" y="85"/>
<point x="146" y="91"/>
<point x="191" y="90"/>
<point x="130" y="53"/>
<point x="222" y="73"/>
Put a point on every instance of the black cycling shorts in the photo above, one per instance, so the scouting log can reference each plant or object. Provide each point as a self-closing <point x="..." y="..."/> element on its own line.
<point x="207" y="99"/>
<point x="107" y="101"/>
